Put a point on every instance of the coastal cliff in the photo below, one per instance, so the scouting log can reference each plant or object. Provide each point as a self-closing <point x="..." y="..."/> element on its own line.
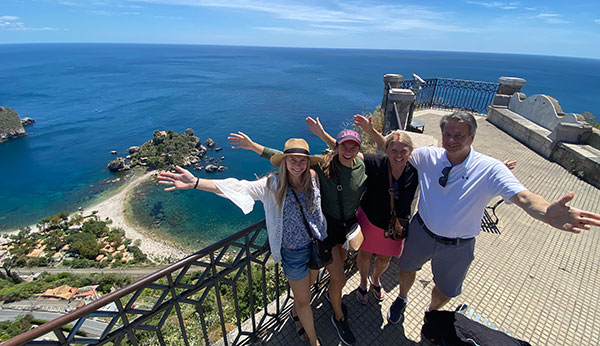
<point x="10" y="124"/>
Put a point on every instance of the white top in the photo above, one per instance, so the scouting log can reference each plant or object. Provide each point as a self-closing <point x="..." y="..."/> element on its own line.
<point x="455" y="211"/>
<point x="243" y="193"/>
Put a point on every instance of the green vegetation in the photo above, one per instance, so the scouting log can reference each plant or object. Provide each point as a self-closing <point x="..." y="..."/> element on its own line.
<point x="15" y="291"/>
<point x="576" y="172"/>
<point x="60" y="240"/>
<point x="10" y="124"/>
<point x="590" y="118"/>
<point x="163" y="151"/>
<point x="9" y="329"/>
<point x="208" y="311"/>
<point x="9" y="119"/>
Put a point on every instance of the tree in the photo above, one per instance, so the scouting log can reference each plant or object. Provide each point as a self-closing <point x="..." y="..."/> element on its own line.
<point x="97" y="228"/>
<point x="86" y="245"/>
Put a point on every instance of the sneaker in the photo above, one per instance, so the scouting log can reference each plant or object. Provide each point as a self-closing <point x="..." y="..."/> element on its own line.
<point x="396" y="313"/>
<point x="343" y="331"/>
<point x="344" y="308"/>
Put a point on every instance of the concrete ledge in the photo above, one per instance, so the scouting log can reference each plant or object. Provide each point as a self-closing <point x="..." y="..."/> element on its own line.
<point x="525" y="131"/>
<point x="581" y="160"/>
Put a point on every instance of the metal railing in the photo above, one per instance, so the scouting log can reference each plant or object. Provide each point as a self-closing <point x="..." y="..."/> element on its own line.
<point x="453" y="94"/>
<point x="212" y="296"/>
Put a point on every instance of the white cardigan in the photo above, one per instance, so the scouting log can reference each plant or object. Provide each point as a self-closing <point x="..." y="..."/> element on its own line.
<point x="243" y="193"/>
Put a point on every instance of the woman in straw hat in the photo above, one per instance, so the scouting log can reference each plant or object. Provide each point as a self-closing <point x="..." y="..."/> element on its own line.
<point x="342" y="168"/>
<point x="294" y="186"/>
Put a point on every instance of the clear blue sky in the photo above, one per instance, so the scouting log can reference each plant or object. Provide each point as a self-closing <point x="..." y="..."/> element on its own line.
<point x="565" y="28"/>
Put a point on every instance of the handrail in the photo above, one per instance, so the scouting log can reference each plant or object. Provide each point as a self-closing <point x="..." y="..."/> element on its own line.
<point x="453" y="93"/>
<point x="84" y="311"/>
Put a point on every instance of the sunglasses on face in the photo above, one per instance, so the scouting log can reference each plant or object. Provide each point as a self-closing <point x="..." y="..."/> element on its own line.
<point x="444" y="178"/>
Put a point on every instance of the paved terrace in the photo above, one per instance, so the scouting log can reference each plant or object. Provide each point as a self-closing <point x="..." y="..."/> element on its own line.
<point x="538" y="283"/>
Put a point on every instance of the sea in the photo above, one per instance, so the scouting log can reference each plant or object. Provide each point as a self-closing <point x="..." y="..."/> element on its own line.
<point x="90" y="99"/>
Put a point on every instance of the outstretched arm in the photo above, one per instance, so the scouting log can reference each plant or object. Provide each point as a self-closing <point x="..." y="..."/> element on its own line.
<point x="241" y="140"/>
<point x="366" y="125"/>
<point x="557" y="214"/>
<point x="316" y="128"/>
<point x="184" y="180"/>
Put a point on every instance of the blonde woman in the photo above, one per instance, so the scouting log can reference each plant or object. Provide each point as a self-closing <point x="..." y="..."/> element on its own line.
<point x="344" y="169"/>
<point x="294" y="186"/>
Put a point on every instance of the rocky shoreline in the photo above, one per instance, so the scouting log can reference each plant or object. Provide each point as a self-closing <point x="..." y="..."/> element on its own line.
<point x="11" y="125"/>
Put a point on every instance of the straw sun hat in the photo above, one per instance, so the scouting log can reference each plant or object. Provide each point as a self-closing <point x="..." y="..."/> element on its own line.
<point x="295" y="146"/>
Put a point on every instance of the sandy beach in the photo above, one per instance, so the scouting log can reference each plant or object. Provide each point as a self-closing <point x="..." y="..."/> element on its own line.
<point x="112" y="208"/>
<point x="155" y="248"/>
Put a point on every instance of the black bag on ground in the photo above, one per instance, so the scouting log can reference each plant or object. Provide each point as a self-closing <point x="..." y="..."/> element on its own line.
<point x="450" y="328"/>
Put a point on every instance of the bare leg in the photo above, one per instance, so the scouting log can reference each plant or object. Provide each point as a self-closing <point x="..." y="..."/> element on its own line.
<point x="406" y="280"/>
<point x="438" y="299"/>
<point x="381" y="265"/>
<point x="301" y="290"/>
<point x="337" y="279"/>
<point x="363" y="262"/>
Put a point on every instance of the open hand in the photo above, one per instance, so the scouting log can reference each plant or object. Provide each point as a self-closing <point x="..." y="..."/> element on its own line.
<point x="182" y="181"/>
<point x="363" y="122"/>
<point x="509" y="164"/>
<point x="314" y="126"/>
<point x="560" y="215"/>
<point x="240" y="140"/>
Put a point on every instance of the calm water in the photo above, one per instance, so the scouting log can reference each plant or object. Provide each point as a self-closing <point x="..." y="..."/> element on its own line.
<point x="89" y="99"/>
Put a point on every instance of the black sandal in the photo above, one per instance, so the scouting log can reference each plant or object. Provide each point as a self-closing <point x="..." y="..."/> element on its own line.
<point x="378" y="291"/>
<point x="299" y="331"/>
<point x="362" y="295"/>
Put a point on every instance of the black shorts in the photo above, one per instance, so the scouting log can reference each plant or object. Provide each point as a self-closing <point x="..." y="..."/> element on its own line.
<point x="336" y="234"/>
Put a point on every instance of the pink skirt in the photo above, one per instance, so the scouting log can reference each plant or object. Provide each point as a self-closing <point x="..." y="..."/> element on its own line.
<point x="374" y="241"/>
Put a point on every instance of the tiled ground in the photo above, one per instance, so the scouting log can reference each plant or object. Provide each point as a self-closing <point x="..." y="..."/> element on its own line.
<point x="538" y="283"/>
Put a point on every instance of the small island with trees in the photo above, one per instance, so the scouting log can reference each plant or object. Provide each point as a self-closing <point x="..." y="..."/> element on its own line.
<point x="167" y="149"/>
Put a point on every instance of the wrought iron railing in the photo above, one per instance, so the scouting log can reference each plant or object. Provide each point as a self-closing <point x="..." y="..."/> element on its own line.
<point x="212" y="296"/>
<point x="453" y="93"/>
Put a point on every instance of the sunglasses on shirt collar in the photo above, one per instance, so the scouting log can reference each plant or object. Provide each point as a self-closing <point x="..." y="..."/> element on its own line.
<point x="444" y="178"/>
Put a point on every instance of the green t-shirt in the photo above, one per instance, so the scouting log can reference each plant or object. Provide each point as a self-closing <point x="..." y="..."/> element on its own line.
<point x="352" y="181"/>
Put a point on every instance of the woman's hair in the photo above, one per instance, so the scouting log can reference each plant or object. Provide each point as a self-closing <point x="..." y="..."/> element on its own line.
<point x="398" y="137"/>
<point x="331" y="165"/>
<point x="283" y="185"/>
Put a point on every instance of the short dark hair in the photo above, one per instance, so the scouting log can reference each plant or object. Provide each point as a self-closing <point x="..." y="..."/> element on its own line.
<point x="461" y="117"/>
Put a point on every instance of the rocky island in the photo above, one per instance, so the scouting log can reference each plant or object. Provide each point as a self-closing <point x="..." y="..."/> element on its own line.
<point x="10" y="124"/>
<point x="167" y="149"/>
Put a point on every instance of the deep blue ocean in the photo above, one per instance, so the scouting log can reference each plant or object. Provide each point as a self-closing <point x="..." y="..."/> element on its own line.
<point x="89" y="99"/>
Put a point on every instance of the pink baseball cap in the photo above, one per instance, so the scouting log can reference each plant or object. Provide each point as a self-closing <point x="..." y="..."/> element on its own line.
<point x="348" y="135"/>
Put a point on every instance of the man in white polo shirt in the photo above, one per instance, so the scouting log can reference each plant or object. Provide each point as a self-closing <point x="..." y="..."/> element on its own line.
<point x="456" y="184"/>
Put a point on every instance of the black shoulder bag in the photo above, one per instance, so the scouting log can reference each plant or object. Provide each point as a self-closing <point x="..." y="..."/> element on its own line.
<point x="320" y="253"/>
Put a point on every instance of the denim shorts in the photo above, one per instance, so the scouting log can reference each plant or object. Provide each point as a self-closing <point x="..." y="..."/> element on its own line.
<point x="295" y="262"/>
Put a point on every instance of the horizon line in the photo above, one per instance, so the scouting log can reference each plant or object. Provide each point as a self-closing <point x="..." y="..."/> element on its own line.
<point x="302" y="47"/>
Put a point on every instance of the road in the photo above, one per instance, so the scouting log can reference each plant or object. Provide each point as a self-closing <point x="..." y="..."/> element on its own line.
<point x="89" y="326"/>
<point x="131" y="271"/>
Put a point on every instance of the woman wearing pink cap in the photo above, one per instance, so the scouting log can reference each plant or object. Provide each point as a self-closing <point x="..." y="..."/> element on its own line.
<point x="392" y="182"/>
<point x="344" y="169"/>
